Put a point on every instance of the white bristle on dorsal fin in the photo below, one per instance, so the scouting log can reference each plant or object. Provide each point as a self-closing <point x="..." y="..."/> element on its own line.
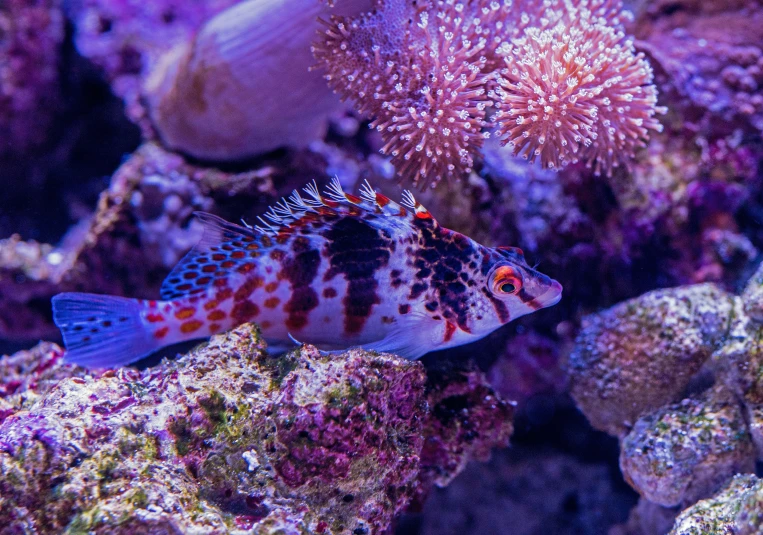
<point x="408" y="200"/>
<point x="367" y="193"/>
<point x="288" y="210"/>
<point x="335" y="192"/>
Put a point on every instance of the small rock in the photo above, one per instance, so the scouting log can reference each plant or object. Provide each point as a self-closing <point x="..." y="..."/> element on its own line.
<point x="641" y="354"/>
<point x="686" y="451"/>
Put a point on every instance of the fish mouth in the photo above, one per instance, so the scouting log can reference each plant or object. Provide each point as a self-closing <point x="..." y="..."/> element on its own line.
<point x="553" y="295"/>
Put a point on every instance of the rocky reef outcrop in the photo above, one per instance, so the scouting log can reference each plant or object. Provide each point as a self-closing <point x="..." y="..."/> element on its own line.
<point x="228" y="439"/>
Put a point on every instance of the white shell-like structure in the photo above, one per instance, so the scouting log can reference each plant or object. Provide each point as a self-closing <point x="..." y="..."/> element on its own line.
<point x="243" y="86"/>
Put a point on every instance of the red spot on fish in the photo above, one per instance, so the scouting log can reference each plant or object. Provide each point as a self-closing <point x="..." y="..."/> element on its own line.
<point x="222" y="281"/>
<point x="154" y="318"/>
<point x="330" y="204"/>
<point x="227" y="264"/>
<point x="161" y="333"/>
<point x="252" y="246"/>
<point x="382" y="200"/>
<point x="244" y="311"/>
<point x="223" y="294"/>
<point x="152" y="304"/>
<point x="423" y="214"/>
<point x="246" y="289"/>
<point x="209" y="268"/>
<point x="277" y="255"/>
<point x="214" y="327"/>
<point x="219" y="257"/>
<point x="272" y="302"/>
<point x="450" y="329"/>
<point x="210" y="305"/>
<point x="329" y="292"/>
<point x="216" y="315"/>
<point x="404" y="309"/>
<point x="190" y="326"/>
<point x="203" y="281"/>
<point x="271" y="287"/>
<point x="245" y="268"/>
<point x="188" y="275"/>
<point x="352" y="198"/>
<point x="183" y="287"/>
<point x="238" y="254"/>
<point x="185" y="313"/>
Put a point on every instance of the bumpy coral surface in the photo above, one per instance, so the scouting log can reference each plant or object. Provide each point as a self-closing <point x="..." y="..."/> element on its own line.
<point x="642" y="353"/>
<point x="685" y="451"/>
<point x="228" y="439"/>
<point x="735" y="510"/>
<point x="225" y="439"/>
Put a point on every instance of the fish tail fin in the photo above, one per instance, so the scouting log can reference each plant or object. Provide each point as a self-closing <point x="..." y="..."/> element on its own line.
<point x="102" y="331"/>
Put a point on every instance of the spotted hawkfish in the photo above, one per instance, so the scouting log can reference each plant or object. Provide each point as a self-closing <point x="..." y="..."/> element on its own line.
<point x="335" y="270"/>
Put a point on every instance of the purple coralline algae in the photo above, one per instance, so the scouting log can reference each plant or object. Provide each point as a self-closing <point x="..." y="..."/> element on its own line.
<point x="228" y="439"/>
<point x="31" y="34"/>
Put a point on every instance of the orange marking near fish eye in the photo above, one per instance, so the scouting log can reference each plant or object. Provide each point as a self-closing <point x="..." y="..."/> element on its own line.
<point x="272" y="302"/>
<point x="450" y="330"/>
<point x="506" y="281"/>
<point x="216" y="315"/>
<point x="161" y="333"/>
<point x="423" y="214"/>
<point x="190" y="326"/>
<point x="154" y="318"/>
<point x="185" y="313"/>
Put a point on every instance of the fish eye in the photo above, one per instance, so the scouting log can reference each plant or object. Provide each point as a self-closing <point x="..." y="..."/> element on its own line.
<point x="508" y="288"/>
<point x="506" y="281"/>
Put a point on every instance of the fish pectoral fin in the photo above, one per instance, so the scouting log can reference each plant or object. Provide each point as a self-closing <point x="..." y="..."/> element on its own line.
<point x="411" y="339"/>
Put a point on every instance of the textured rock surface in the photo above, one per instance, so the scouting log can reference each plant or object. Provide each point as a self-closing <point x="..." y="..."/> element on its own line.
<point x="224" y="439"/>
<point x="686" y="451"/>
<point x="735" y="510"/>
<point x="230" y="439"/>
<point x="641" y="354"/>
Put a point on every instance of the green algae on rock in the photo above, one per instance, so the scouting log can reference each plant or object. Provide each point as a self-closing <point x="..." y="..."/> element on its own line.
<point x="735" y="510"/>
<point x="685" y="451"/>
<point x="228" y="439"/>
<point x="211" y="442"/>
<point x="641" y="354"/>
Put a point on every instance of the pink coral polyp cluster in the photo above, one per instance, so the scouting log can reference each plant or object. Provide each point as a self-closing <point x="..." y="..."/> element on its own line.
<point x="422" y="76"/>
<point x="559" y="79"/>
<point x="576" y="91"/>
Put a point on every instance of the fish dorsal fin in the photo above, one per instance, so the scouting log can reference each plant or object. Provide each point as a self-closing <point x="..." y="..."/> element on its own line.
<point x="224" y="248"/>
<point x="374" y="208"/>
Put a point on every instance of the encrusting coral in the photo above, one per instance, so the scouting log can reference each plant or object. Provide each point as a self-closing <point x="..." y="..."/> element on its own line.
<point x="638" y="370"/>
<point x="565" y="81"/>
<point x="230" y="439"/>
